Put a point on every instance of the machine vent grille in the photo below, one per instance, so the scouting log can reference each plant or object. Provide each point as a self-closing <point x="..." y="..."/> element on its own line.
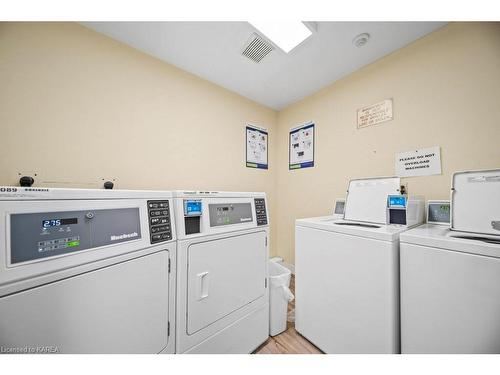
<point x="257" y="48"/>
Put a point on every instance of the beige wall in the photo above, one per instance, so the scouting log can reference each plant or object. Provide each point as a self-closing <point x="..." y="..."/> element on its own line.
<point x="77" y="107"/>
<point x="446" y="91"/>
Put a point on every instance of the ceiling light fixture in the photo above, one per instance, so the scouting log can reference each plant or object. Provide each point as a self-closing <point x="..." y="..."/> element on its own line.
<point x="285" y="34"/>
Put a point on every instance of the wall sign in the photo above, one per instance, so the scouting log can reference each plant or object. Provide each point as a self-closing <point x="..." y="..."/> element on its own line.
<point x="301" y="146"/>
<point x="256" y="147"/>
<point x="422" y="162"/>
<point x="375" y="113"/>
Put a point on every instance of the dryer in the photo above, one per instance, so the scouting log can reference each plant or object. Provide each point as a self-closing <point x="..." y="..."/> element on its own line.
<point x="86" y="271"/>
<point x="222" y="276"/>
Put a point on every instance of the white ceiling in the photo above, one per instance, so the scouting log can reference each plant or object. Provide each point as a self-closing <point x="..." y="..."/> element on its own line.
<point x="212" y="50"/>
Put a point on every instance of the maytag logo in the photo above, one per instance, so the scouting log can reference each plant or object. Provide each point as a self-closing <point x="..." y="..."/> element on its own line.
<point x="124" y="236"/>
<point x="246" y="219"/>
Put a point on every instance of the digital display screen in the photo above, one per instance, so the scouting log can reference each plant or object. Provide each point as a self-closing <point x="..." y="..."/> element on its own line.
<point x="49" y="223"/>
<point x="439" y="213"/>
<point x="339" y="207"/>
<point x="397" y="201"/>
<point x="192" y="208"/>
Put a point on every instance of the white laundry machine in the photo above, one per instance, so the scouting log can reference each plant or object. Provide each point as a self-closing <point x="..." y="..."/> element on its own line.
<point x="450" y="279"/>
<point x="347" y="270"/>
<point x="222" y="277"/>
<point x="86" y="271"/>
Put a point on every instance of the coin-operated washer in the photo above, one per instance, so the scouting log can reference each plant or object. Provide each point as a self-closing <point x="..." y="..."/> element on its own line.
<point x="222" y="279"/>
<point x="347" y="270"/>
<point x="450" y="274"/>
<point x="86" y="271"/>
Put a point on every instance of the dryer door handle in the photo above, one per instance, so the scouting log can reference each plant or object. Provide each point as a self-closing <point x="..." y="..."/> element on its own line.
<point x="203" y="283"/>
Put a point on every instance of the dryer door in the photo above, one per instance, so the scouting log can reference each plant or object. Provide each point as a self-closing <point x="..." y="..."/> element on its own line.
<point x="122" y="308"/>
<point x="224" y="275"/>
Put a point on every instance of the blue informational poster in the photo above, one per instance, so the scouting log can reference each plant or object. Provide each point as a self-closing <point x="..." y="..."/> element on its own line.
<point x="256" y="147"/>
<point x="301" y="146"/>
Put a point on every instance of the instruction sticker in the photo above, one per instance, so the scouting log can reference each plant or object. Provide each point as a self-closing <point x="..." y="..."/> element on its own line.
<point x="301" y="146"/>
<point x="421" y="162"/>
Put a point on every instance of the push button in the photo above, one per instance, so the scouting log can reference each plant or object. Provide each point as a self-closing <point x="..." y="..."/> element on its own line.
<point x="159" y="221"/>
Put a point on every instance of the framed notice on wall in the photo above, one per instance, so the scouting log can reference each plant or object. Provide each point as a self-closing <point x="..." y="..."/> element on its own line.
<point x="301" y="146"/>
<point x="256" y="147"/>
<point x="375" y="114"/>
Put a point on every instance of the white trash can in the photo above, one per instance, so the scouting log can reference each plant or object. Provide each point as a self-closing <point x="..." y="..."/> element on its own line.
<point x="279" y="296"/>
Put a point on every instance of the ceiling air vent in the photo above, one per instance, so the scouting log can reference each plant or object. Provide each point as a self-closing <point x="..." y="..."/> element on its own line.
<point x="257" y="48"/>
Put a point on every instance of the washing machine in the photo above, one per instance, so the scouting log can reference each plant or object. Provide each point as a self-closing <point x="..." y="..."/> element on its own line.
<point x="450" y="275"/>
<point x="347" y="270"/>
<point x="222" y="276"/>
<point x="86" y="271"/>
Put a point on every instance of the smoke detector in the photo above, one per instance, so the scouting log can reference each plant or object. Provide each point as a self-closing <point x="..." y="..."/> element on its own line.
<point x="256" y="48"/>
<point x="361" y="40"/>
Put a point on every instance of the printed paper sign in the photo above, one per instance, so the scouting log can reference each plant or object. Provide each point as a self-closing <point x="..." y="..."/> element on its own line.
<point x="301" y="146"/>
<point x="422" y="162"/>
<point x="256" y="147"/>
<point x="375" y="114"/>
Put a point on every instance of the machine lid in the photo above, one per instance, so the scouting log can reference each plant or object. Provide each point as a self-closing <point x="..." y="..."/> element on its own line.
<point x="369" y="230"/>
<point x="367" y="198"/>
<point x="475" y="206"/>
<point x="441" y="237"/>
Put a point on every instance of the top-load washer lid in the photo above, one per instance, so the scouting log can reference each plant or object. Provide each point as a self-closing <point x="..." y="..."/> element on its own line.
<point x="475" y="202"/>
<point x="441" y="237"/>
<point x="332" y="224"/>
<point x="367" y="198"/>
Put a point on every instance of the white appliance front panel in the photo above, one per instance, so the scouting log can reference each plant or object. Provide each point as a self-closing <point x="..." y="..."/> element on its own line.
<point x="123" y="308"/>
<point x="475" y="205"/>
<point x="223" y="335"/>
<point x="450" y="301"/>
<point x="243" y="336"/>
<point x="347" y="292"/>
<point x="223" y="276"/>
<point x="25" y="271"/>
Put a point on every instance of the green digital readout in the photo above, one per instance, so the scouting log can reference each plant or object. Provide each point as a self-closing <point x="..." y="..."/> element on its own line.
<point x="73" y="243"/>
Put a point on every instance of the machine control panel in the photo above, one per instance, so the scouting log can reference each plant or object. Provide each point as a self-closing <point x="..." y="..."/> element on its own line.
<point x="160" y="228"/>
<point x="230" y="213"/>
<point x="438" y="212"/>
<point x="260" y="211"/>
<point x="46" y="234"/>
